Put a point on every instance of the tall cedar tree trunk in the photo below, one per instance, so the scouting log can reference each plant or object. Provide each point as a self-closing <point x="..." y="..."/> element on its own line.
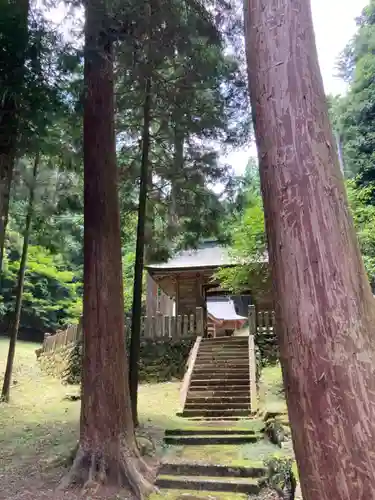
<point x="324" y="306"/>
<point x="135" y="340"/>
<point x="107" y="451"/>
<point x="19" y="294"/>
<point x="12" y="78"/>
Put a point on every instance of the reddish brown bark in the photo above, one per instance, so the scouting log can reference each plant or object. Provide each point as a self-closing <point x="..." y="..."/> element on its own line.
<point x="107" y="449"/>
<point x="324" y="306"/>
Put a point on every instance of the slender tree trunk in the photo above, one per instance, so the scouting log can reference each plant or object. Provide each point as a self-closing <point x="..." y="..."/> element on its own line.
<point x="19" y="294"/>
<point x="135" y="341"/>
<point x="324" y="306"/>
<point x="150" y="217"/>
<point x="12" y="81"/>
<point x="107" y="451"/>
<point x="6" y="174"/>
<point x="178" y="166"/>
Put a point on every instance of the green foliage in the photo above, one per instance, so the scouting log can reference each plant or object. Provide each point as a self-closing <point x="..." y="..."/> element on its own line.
<point x="199" y="98"/>
<point x="281" y="477"/>
<point x="199" y="101"/>
<point x="51" y="297"/>
<point x="249" y="250"/>
<point x="267" y="348"/>
<point x="353" y="115"/>
<point x="363" y="212"/>
<point x="249" y="243"/>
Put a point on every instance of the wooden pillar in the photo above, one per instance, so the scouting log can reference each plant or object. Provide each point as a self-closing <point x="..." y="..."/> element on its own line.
<point x="177" y="295"/>
<point x="151" y="296"/>
<point x="252" y="320"/>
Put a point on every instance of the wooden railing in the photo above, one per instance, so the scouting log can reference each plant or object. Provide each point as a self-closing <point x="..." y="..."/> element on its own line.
<point x="252" y="375"/>
<point x="261" y="321"/>
<point x="173" y="326"/>
<point x="189" y="371"/>
<point x="155" y="327"/>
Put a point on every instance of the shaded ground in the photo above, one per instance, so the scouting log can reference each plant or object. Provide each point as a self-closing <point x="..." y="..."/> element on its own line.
<point x="39" y="426"/>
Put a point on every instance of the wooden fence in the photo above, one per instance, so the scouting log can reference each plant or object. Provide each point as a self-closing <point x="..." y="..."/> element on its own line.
<point x="261" y="321"/>
<point x="61" y="338"/>
<point x="155" y="327"/>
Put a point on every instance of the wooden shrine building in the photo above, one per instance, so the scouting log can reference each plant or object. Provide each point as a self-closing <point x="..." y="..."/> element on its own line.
<point x="184" y="282"/>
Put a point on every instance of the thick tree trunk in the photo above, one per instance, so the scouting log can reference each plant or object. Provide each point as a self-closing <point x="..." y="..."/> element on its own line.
<point x="107" y="450"/>
<point x="324" y="306"/>
<point x="135" y="341"/>
<point x="19" y="294"/>
<point x="12" y="83"/>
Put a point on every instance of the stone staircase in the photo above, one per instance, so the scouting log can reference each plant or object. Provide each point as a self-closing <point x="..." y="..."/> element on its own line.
<point x="211" y="478"/>
<point x="220" y="382"/>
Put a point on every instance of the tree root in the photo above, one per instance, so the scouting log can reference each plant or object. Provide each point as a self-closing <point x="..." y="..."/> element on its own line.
<point x="92" y="470"/>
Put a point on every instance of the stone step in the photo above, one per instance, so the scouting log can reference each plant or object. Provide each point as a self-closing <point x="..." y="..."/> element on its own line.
<point x="225" y="340"/>
<point x="219" y="383"/>
<point x="211" y="440"/>
<point x="218" y="420"/>
<point x="216" y="405"/>
<point x="211" y="470"/>
<point x="234" y="393"/>
<point x="217" y="431"/>
<point x="223" y="355"/>
<point x="250" y="486"/>
<point x="224" y="348"/>
<point x="215" y="375"/>
<point x="244" y="400"/>
<point x="221" y="369"/>
<point x="223" y="359"/>
<point x="220" y="349"/>
<point x="221" y="366"/>
<point x="238" y="354"/>
<point x="232" y="412"/>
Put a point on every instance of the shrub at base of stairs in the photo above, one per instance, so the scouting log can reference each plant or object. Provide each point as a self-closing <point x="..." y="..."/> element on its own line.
<point x="161" y="360"/>
<point x="268" y="347"/>
<point x="281" y="477"/>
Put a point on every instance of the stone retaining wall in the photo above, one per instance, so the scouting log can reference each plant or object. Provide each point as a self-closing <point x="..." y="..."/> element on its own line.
<point x="160" y="360"/>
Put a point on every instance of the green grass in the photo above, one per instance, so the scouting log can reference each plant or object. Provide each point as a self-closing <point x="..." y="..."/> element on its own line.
<point x="271" y="395"/>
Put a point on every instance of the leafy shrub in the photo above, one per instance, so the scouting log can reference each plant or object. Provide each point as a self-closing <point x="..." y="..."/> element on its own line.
<point x="268" y="347"/>
<point x="281" y="477"/>
<point x="52" y="295"/>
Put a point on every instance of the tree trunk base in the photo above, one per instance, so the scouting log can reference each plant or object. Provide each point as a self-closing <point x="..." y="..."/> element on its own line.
<point x="95" y="469"/>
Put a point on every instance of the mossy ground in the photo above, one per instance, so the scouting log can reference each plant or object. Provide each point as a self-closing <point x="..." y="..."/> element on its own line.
<point x="39" y="426"/>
